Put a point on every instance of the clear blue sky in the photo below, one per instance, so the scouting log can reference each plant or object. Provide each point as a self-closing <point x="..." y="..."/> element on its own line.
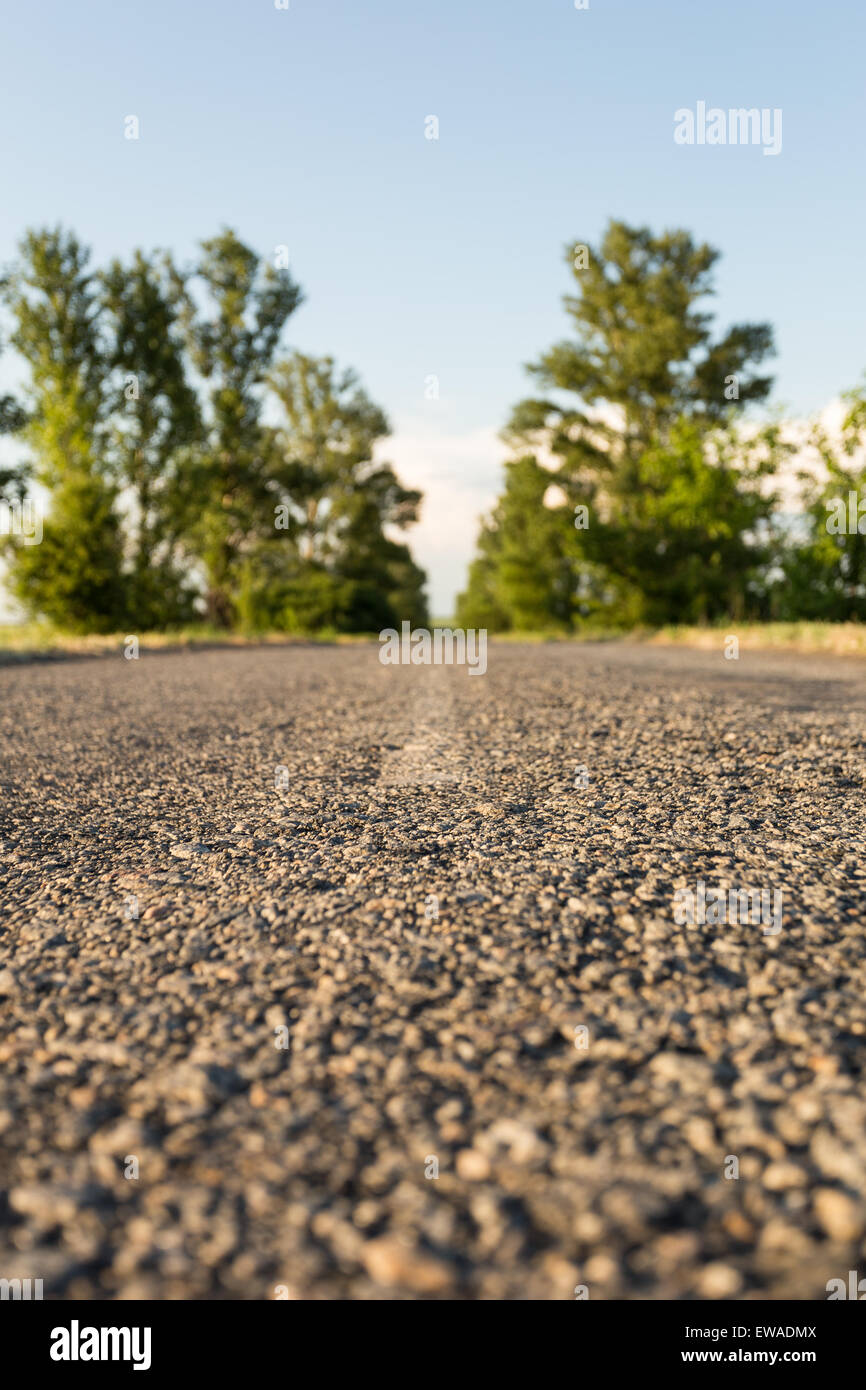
<point x="306" y="127"/>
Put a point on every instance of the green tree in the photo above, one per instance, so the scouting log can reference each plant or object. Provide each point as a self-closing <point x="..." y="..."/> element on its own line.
<point x="643" y="356"/>
<point x="381" y="583"/>
<point x="232" y="345"/>
<point x="480" y="605"/>
<point x="12" y="417"/>
<point x="691" y="542"/>
<point x="324" y="448"/>
<point x="526" y="573"/>
<point x="13" y="478"/>
<point x="155" y="422"/>
<point x="338" y="503"/>
<point x="75" y="577"/>
<point x="823" y="559"/>
<point x="641" y="430"/>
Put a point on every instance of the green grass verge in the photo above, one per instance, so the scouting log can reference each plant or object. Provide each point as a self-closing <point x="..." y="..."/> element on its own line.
<point x="840" y="639"/>
<point x="837" y="639"/>
<point x="35" y="639"/>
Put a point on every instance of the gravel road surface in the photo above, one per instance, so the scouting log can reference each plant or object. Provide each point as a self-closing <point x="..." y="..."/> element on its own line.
<point x="284" y="933"/>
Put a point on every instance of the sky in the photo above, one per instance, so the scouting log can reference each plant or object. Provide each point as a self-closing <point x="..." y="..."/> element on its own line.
<point x="307" y="127"/>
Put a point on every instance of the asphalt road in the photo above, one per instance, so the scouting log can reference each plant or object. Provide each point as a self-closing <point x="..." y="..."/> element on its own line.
<point x="284" y="933"/>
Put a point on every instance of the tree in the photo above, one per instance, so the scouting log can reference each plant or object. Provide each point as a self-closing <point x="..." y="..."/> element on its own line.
<point x="233" y="349"/>
<point x="382" y="585"/>
<point x="338" y="503"/>
<point x="12" y="417"/>
<point x="691" y="542"/>
<point x="823" y="562"/>
<point x="325" y="446"/>
<point x="13" y="478"/>
<point x="643" y="358"/>
<point x="646" y="452"/>
<point x="75" y="577"/>
<point x="525" y="577"/>
<point x="155" y="422"/>
<point x="480" y="604"/>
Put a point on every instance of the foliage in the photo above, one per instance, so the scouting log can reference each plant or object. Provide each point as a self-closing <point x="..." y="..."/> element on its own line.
<point x="144" y="419"/>
<point x="75" y="576"/>
<point x="664" y="499"/>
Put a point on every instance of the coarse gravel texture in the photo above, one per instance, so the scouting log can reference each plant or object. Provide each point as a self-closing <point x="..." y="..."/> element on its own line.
<point x="203" y="850"/>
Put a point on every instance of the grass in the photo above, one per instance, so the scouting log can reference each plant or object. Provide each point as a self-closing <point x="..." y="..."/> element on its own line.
<point x="41" y="639"/>
<point x="838" y="639"/>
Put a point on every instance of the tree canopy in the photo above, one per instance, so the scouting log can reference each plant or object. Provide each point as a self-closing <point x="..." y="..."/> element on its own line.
<point x="146" y="417"/>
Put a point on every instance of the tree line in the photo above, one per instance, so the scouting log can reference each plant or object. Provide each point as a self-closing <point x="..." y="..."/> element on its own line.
<point x="192" y="466"/>
<point x="640" y="491"/>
